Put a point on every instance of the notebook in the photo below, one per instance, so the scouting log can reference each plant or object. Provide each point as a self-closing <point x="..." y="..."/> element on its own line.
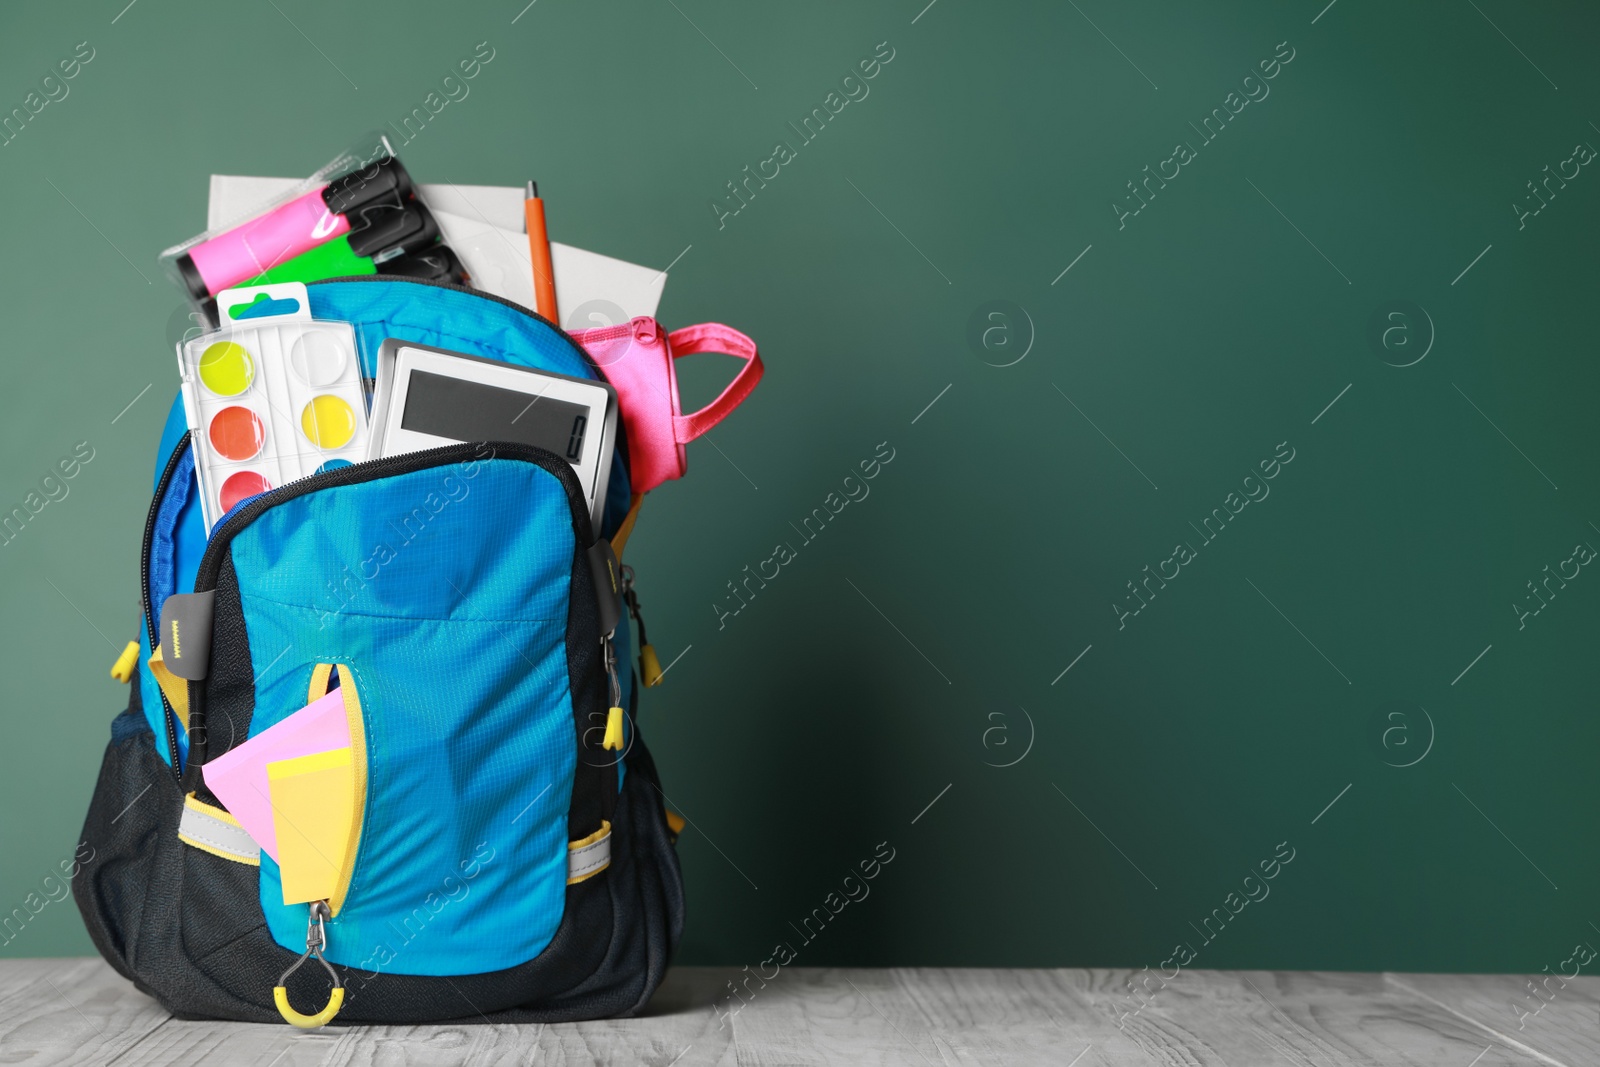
<point x="313" y="812"/>
<point x="485" y="227"/>
<point x="239" y="776"/>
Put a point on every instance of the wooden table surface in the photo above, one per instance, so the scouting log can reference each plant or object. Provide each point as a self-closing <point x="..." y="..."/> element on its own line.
<point x="77" y="1011"/>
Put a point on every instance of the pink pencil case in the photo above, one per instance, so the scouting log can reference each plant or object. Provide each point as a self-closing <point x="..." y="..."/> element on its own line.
<point x="638" y="358"/>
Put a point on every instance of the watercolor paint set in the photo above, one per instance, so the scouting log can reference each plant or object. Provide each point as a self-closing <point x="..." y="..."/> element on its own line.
<point x="270" y="397"/>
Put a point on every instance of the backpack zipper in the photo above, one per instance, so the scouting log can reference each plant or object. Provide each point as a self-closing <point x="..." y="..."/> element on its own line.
<point x="168" y="717"/>
<point x="635" y="327"/>
<point x="369" y="470"/>
<point x="354" y="473"/>
<point x="512" y="304"/>
<point x="599" y="374"/>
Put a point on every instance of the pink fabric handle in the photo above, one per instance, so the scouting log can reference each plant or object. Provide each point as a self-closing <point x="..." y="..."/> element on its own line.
<point x="639" y="359"/>
<point x="715" y="337"/>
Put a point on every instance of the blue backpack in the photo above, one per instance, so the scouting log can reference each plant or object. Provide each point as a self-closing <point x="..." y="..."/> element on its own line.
<point x="508" y="865"/>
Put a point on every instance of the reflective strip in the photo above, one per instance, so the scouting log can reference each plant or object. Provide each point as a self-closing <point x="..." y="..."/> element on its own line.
<point x="590" y="856"/>
<point x="213" y="830"/>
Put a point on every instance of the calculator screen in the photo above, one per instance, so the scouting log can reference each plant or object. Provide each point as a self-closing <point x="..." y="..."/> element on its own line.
<point x="462" y="410"/>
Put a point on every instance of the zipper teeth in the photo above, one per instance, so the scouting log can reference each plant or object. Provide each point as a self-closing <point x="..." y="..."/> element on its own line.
<point x="583" y="353"/>
<point x="372" y="469"/>
<point x="512" y="304"/>
<point x="144" y="590"/>
<point x="606" y="333"/>
<point x="355" y="716"/>
<point x="210" y="562"/>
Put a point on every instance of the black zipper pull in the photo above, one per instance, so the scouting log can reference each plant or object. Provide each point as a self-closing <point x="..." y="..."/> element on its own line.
<point x="649" y="665"/>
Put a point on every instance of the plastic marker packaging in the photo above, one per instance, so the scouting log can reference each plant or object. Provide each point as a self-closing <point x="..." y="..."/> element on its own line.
<point x="362" y="204"/>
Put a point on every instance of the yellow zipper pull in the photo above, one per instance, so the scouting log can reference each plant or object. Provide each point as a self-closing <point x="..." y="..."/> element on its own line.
<point x="122" y="670"/>
<point x="649" y="665"/>
<point x="613" y="737"/>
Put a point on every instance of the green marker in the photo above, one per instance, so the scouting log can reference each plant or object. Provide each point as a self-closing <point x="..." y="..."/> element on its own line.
<point x="331" y="259"/>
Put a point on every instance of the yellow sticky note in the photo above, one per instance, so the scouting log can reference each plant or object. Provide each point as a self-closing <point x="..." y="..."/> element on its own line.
<point x="313" y="807"/>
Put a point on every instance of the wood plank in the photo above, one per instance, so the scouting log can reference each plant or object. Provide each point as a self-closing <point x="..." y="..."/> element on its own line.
<point x="825" y="1016"/>
<point x="653" y="1040"/>
<point x="256" y="1044"/>
<point x="1563" y="1032"/>
<point x="909" y="1016"/>
<point x="975" y="1015"/>
<point x="76" y="1011"/>
<point x="70" y="1011"/>
<point x="1200" y="1017"/>
<point x="1329" y="1018"/>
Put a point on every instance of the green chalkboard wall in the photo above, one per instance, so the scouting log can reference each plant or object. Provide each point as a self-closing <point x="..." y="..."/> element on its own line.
<point x="1226" y="374"/>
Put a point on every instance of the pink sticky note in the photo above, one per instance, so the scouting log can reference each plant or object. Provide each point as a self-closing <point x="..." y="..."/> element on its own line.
<point x="239" y="777"/>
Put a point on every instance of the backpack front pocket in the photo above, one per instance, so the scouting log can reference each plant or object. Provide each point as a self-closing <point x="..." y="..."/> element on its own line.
<point x="437" y="591"/>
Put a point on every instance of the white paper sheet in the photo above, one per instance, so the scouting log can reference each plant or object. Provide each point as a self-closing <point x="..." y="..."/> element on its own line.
<point x="233" y="196"/>
<point x="484" y="226"/>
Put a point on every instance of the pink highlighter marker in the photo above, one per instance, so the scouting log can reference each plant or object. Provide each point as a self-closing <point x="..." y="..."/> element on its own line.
<point x="375" y="196"/>
<point x="261" y="244"/>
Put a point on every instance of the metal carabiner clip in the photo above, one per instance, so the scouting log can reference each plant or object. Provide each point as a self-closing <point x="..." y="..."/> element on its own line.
<point x="316" y="941"/>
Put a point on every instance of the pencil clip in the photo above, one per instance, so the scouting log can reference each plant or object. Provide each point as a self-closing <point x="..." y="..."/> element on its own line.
<point x="316" y="941"/>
